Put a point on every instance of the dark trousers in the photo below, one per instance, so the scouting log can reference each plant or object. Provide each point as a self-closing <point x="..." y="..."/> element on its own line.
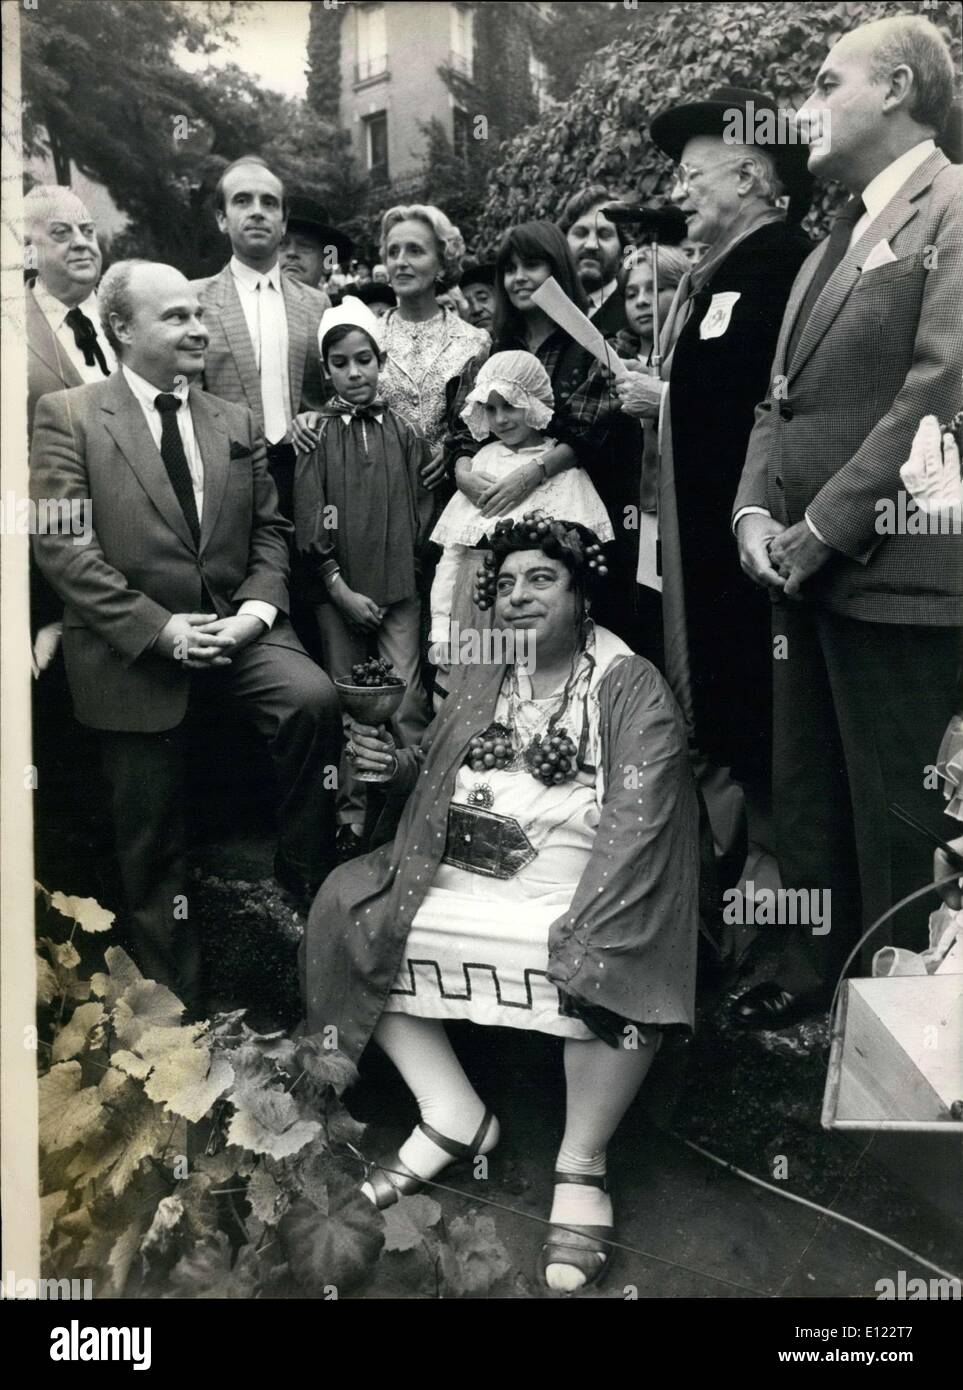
<point x="859" y="712"/>
<point x="293" y="705"/>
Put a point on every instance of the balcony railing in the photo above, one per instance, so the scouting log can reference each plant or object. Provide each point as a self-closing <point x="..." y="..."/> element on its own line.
<point x="370" y="67"/>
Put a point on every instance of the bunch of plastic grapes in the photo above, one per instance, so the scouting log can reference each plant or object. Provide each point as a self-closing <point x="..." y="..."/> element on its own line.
<point x="552" y="759"/>
<point x="490" y="750"/>
<point x="374" y="671"/>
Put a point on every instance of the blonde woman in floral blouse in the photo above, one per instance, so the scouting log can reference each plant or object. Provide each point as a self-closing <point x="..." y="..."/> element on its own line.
<point x="433" y="355"/>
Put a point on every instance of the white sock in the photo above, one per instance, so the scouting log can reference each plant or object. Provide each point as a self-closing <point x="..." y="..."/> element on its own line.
<point x="577" y="1204"/>
<point x="446" y="1099"/>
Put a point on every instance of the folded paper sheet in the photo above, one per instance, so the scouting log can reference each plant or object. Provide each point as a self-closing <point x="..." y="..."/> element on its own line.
<point x="552" y="300"/>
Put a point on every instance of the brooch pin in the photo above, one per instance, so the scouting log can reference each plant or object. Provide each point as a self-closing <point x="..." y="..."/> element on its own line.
<point x="481" y="795"/>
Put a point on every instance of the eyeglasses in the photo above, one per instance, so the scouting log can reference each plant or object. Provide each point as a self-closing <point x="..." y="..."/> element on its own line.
<point x="686" y="174"/>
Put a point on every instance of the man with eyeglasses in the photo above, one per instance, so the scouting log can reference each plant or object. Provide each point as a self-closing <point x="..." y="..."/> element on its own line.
<point x="718" y="343"/>
<point x="870" y="620"/>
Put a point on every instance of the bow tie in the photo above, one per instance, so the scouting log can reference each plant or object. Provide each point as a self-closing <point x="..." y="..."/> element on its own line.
<point x="357" y="412"/>
<point x="85" y="336"/>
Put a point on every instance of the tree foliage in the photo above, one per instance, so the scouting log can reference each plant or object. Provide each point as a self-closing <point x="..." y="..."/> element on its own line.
<point x="574" y="32"/>
<point x="155" y="135"/>
<point x="600" y="135"/>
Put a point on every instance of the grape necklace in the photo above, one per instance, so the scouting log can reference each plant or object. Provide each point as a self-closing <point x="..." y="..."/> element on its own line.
<point x="551" y="758"/>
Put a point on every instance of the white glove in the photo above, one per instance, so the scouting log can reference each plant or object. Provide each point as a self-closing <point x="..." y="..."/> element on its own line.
<point x="931" y="474"/>
<point x="45" y="647"/>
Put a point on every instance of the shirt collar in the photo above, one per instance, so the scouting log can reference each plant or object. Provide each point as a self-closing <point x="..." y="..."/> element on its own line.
<point x="56" y="311"/>
<point x="887" y="183"/>
<point x="250" y="279"/>
<point x="598" y="297"/>
<point x="147" y="393"/>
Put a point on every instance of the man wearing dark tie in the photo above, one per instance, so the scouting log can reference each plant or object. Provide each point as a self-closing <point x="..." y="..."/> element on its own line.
<point x="263" y="325"/>
<point x="866" y="622"/>
<point x="177" y="602"/>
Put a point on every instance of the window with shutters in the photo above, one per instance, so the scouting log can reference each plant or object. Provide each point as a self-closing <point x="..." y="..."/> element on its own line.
<point x="462" y="43"/>
<point x="372" y="43"/>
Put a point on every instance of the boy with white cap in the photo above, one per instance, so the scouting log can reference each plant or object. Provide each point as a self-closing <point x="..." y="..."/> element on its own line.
<point x="359" y="514"/>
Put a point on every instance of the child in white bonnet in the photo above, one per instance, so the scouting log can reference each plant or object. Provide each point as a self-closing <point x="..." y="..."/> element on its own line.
<point x="512" y="401"/>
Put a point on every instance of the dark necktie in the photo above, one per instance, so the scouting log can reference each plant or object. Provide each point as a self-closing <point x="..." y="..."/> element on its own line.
<point x="175" y="461"/>
<point x="836" y="249"/>
<point x="85" y="336"/>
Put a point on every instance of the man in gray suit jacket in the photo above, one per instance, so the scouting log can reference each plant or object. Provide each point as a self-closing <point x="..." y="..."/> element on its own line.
<point x="866" y="613"/>
<point x="176" y="600"/>
<point x="65" y="341"/>
<point x="263" y="326"/>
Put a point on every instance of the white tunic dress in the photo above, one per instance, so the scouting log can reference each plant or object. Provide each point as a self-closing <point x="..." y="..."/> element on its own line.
<point x="478" y="946"/>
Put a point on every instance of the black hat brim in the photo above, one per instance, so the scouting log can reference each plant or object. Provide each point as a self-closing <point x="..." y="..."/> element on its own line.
<point x="328" y="236"/>
<point x="671" y="130"/>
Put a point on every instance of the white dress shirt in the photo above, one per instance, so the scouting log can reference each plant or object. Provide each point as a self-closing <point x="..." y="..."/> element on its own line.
<point x="146" y="393"/>
<point x="55" y="312"/>
<point x="262" y="300"/>
<point x="877" y="195"/>
<point x="598" y="297"/>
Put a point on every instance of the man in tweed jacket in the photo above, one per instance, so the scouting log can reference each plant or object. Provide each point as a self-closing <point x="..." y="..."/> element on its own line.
<point x="865" y="623"/>
<point x="263" y="325"/>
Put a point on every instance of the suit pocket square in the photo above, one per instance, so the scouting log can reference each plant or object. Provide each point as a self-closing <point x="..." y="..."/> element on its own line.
<point x="239" y="451"/>
<point x="881" y="254"/>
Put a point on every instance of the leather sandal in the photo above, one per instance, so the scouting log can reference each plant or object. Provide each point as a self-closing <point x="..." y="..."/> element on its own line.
<point x="585" y="1248"/>
<point x="394" y="1179"/>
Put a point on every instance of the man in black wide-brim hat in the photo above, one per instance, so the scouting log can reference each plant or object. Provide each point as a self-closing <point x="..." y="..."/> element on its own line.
<point x="311" y="246"/>
<point x="732" y="185"/>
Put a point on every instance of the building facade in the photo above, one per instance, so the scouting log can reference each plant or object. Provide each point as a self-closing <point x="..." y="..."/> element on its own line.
<point x="397" y="62"/>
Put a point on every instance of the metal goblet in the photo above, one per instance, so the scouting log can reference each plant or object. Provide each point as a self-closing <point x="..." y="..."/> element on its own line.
<point x="370" y="704"/>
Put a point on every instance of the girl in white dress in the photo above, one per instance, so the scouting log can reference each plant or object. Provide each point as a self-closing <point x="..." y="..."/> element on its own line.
<point x="512" y="401"/>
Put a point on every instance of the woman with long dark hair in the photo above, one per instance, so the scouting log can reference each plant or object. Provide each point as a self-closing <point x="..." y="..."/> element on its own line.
<point x="586" y="425"/>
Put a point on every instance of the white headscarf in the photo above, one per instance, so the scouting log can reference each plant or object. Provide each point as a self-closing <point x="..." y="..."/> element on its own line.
<point x="351" y="313"/>
<point x="521" y="380"/>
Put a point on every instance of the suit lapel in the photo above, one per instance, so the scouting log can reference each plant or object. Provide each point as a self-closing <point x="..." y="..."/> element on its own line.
<point x="214" y="445"/>
<point x="840" y="285"/>
<point x="298" y="330"/>
<point x="42" y="342"/>
<point x="127" y="426"/>
<point x="239" y="340"/>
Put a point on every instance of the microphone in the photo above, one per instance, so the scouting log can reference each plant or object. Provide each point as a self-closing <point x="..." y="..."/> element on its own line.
<point x="665" y="225"/>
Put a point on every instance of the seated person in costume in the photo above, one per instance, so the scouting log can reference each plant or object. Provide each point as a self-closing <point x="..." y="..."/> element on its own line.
<point x="547" y="856"/>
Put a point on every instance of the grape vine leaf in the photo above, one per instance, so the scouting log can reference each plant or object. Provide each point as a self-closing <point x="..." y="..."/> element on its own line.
<point x="325" y="1065"/>
<point x="85" y="1020"/>
<point x="343" y="1128"/>
<point x="472" y="1259"/>
<point x="273" y="1127"/>
<point x="263" y="1193"/>
<point x="145" y="1005"/>
<point x="185" y="1077"/>
<point x="337" y="1250"/>
<point x="407" y="1221"/>
<point x="122" y="1253"/>
<point x="123" y="974"/>
<point x="69" y="1114"/>
<point x="49" y="1209"/>
<point x="63" y="953"/>
<point x="47" y="987"/>
<point x="86" y="912"/>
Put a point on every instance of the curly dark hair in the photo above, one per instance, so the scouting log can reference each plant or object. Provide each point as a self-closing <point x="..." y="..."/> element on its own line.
<point x="576" y="546"/>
